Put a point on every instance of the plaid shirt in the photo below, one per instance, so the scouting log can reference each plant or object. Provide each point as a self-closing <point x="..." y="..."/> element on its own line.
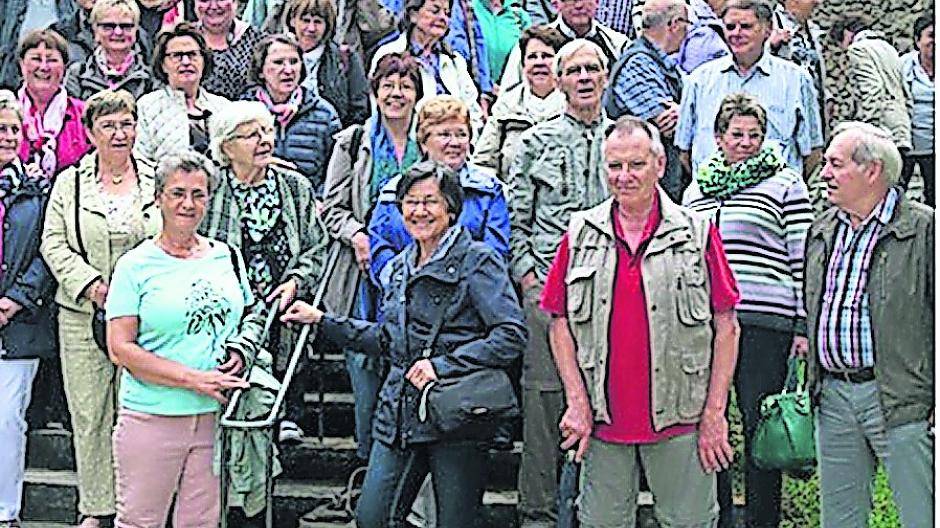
<point x="845" y="337"/>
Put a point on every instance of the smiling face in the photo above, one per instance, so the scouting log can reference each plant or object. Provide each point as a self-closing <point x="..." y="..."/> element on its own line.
<point x="848" y="183"/>
<point x="745" y="33"/>
<point x="114" y="134"/>
<point x="183" y="62"/>
<point x="216" y="16"/>
<point x="448" y="142"/>
<point x="741" y="140"/>
<point x="537" y="66"/>
<point x="42" y="69"/>
<point x="252" y="145"/>
<point x="309" y="30"/>
<point x="432" y="20"/>
<point x="183" y="200"/>
<point x="11" y="135"/>
<point x="632" y="168"/>
<point x="396" y="96"/>
<point x="424" y="211"/>
<point x="583" y="79"/>
<point x="116" y="30"/>
<point x="281" y="70"/>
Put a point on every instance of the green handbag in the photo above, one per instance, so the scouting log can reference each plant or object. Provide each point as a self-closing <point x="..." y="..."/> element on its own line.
<point x="785" y="434"/>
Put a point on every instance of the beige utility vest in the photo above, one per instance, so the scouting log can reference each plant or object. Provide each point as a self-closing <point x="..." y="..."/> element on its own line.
<point x="676" y="287"/>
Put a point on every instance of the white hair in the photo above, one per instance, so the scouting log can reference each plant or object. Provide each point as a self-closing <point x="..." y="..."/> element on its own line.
<point x="222" y="125"/>
<point x="873" y="143"/>
<point x="573" y="47"/>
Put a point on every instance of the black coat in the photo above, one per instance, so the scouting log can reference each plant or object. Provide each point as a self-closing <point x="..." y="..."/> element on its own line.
<point x="25" y="277"/>
<point x="484" y="326"/>
<point x="341" y="80"/>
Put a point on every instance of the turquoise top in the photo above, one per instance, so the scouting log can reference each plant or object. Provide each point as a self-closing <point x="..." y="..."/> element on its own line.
<point x="187" y="309"/>
<point x="501" y="31"/>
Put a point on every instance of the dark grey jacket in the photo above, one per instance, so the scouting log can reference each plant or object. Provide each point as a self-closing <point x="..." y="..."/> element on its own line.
<point x="342" y="82"/>
<point x="483" y="327"/>
<point x="84" y="79"/>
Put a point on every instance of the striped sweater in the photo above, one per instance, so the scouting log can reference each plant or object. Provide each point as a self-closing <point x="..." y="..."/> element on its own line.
<point x="763" y="229"/>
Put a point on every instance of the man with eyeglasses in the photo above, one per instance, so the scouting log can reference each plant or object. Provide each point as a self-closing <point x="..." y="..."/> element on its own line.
<point x="646" y="82"/>
<point x="784" y="89"/>
<point x="576" y="20"/>
<point x="558" y="169"/>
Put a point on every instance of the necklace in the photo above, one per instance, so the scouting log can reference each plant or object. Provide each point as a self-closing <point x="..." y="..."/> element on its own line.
<point x="183" y="252"/>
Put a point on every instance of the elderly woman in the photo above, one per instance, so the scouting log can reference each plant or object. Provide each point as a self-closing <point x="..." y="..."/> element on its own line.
<point x="520" y="107"/>
<point x="52" y="120"/>
<point x="97" y="212"/>
<point x="444" y="136"/>
<point x="762" y="211"/>
<point x="364" y="159"/>
<point x="27" y="322"/>
<point x="423" y="28"/>
<point x="305" y="122"/>
<point x="338" y="76"/>
<point x="917" y="67"/>
<point x="116" y="63"/>
<point x="232" y="42"/>
<point x="268" y="213"/>
<point x="176" y="326"/>
<point x="175" y="117"/>
<point x="442" y="270"/>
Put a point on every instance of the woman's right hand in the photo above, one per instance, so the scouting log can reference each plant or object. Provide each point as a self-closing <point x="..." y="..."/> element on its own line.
<point x="97" y="293"/>
<point x="301" y="312"/>
<point x="361" y="247"/>
<point x="214" y="383"/>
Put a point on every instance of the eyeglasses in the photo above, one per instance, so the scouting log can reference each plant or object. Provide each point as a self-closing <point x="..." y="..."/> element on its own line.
<point x="111" y="127"/>
<point x="177" y="194"/>
<point x="255" y="135"/>
<point x="177" y="57"/>
<point x="111" y="27"/>
<point x="586" y="68"/>
<point x="451" y="136"/>
<point x="745" y="26"/>
<point x="428" y="203"/>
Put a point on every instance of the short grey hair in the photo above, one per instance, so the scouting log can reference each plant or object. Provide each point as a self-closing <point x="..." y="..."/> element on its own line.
<point x="627" y="124"/>
<point x="873" y="143"/>
<point x="8" y="101"/>
<point x="103" y="6"/>
<point x="658" y="13"/>
<point x="223" y="123"/>
<point x="185" y="161"/>
<point x="761" y="9"/>
<point x="576" y="45"/>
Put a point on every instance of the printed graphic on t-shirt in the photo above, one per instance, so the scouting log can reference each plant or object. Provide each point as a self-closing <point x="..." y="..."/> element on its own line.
<point x="206" y="309"/>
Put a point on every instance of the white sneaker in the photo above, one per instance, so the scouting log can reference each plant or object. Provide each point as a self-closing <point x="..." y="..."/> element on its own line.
<point x="290" y="433"/>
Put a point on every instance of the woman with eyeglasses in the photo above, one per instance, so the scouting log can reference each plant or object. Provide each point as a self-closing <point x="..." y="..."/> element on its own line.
<point x="116" y="63"/>
<point x="175" y="117"/>
<point x="98" y="210"/>
<point x="232" y="42"/>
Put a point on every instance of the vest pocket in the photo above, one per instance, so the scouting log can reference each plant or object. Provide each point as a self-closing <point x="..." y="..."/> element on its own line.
<point x="693" y="386"/>
<point x="580" y="291"/>
<point x="692" y="300"/>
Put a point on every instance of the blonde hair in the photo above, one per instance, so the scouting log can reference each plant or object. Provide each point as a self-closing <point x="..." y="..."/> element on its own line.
<point x="439" y="109"/>
<point x="102" y="6"/>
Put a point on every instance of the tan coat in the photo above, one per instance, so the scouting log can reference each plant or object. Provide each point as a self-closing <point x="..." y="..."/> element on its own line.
<point x="59" y="246"/>
<point x="880" y="94"/>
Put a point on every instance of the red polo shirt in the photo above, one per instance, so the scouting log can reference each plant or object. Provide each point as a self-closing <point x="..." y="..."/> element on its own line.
<point x="628" y="376"/>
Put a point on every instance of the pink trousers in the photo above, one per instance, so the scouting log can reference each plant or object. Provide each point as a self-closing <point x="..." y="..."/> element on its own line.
<point x="156" y="457"/>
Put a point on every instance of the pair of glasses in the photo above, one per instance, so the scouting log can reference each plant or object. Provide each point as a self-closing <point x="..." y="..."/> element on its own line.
<point x="177" y="57"/>
<point x="111" y="27"/>
<point x="428" y="203"/>
<point x="743" y="25"/>
<point x="111" y="128"/>
<point x="177" y="195"/>
<point x="255" y="135"/>
<point x="451" y="136"/>
<point x="586" y="68"/>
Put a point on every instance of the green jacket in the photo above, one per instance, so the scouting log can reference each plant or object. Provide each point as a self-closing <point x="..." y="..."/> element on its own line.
<point x="901" y="299"/>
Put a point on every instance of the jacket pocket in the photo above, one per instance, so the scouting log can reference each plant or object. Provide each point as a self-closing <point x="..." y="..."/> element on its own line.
<point x="580" y="292"/>
<point x="693" y="384"/>
<point x="692" y="299"/>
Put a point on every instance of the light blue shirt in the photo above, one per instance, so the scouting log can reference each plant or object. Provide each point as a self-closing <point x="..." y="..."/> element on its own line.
<point x="784" y="89"/>
<point x="922" y="93"/>
<point x="187" y="309"/>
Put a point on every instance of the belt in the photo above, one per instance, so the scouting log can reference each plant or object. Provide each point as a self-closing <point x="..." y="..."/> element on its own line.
<point x="855" y="376"/>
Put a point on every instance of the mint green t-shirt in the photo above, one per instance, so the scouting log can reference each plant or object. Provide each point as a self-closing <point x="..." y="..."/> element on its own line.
<point x="187" y="309"/>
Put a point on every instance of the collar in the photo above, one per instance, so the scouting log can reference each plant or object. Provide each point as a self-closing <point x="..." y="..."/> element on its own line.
<point x="882" y="213"/>
<point x="671" y="219"/>
<point x="450" y="238"/>
<point x="598" y="122"/>
<point x="570" y="33"/>
<point x="868" y="34"/>
<point x="762" y="65"/>
<point x="663" y="57"/>
<point x="479" y="179"/>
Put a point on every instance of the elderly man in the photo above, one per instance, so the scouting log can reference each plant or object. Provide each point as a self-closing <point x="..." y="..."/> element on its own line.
<point x="869" y="291"/>
<point x="558" y="169"/>
<point x="784" y="89"/>
<point x="576" y="20"/>
<point x="646" y="82"/>
<point x="645" y="337"/>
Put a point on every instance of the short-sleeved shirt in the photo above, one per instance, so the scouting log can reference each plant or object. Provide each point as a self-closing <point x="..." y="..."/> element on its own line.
<point x="784" y="89"/>
<point x="186" y="309"/>
<point x="628" y="381"/>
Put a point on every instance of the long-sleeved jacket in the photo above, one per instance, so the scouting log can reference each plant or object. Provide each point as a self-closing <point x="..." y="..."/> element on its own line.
<point x="162" y="122"/>
<point x="342" y="81"/>
<point x="84" y="79"/>
<point x="483" y="327"/>
<point x="12" y="14"/>
<point x="26" y="279"/>
<point x="60" y="243"/>
<point x="484" y="216"/>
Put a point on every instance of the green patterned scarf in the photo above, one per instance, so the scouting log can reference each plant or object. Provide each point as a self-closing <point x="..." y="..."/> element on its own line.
<point x="717" y="179"/>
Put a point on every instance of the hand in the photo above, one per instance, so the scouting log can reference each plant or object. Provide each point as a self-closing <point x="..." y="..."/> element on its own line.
<point x="9" y="307"/>
<point x="361" y="247"/>
<point x="800" y="347"/>
<point x="714" y="451"/>
<point x="576" y="426"/>
<point x="778" y="37"/>
<point x="286" y="292"/>
<point x="421" y="373"/>
<point x="213" y="383"/>
<point x="668" y="119"/>
<point x="301" y="312"/>
<point x="233" y="365"/>
<point x="529" y="281"/>
<point x="97" y="293"/>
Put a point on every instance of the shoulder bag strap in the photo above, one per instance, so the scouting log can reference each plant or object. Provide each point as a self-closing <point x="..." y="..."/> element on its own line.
<point x="78" y="226"/>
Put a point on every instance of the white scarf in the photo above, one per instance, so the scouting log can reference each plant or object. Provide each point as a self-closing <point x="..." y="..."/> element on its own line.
<point x="45" y="128"/>
<point x="312" y="62"/>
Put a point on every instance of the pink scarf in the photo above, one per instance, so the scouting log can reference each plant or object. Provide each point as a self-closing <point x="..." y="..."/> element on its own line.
<point x="285" y="111"/>
<point x="113" y="75"/>
<point x="43" y="130"/>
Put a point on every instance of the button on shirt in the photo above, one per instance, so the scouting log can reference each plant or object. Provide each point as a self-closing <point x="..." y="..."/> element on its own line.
<point x="784" y="89"/>
<point x="845" y="338"/>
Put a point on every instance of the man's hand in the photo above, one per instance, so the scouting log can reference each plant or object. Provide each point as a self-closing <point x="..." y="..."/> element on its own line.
<point x="421" y="373"/>
<point x="286" y="292"/>
<point x="576" y="426"/>
<point x="668" y="119"/>
<point x="361" y="247"/>
<point x="779" y="37"/>
<point x="800" y="347"/>
<point x="301" y="312"/>
<point x="714" y="451"/>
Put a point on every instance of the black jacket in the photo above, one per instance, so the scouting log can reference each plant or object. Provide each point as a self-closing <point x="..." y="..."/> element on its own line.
<point x="484" y="327"/>
<point x="342" y="82"/>
<point x="24" y="276"/>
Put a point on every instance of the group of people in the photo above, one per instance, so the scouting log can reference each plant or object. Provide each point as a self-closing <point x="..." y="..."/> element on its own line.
<point x="624" y="209"/>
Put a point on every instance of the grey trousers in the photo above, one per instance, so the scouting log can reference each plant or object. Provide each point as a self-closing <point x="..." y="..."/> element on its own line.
<point x="851" y="439"/>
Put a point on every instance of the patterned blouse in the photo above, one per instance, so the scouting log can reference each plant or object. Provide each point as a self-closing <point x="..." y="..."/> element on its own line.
<point x="231" y="67"/>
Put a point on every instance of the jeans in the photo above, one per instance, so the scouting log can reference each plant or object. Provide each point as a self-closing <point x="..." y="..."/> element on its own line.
<point x="16" y="382"/>
<point x="761" y="371"/>
<point x="458" y="476"/>
<point x="366" y="382"/>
